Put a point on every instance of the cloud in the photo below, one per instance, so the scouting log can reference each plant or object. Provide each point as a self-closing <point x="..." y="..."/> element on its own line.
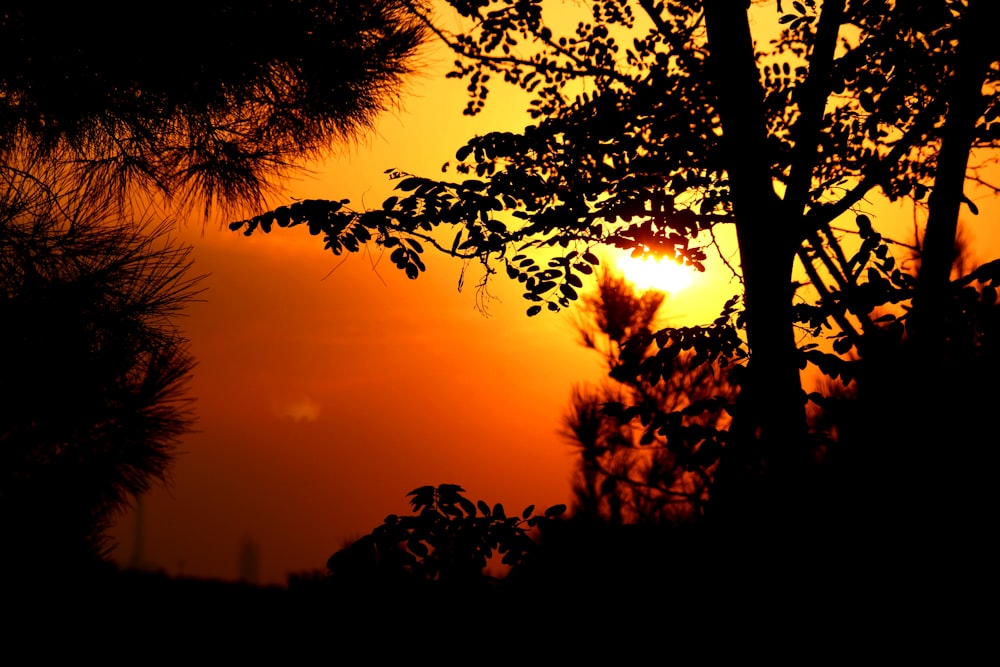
<point x="302" y="409"/>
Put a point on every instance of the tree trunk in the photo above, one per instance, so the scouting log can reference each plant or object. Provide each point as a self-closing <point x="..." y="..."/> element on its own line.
<point x="952" y="379"/>
<point x="966" y="102"/>
<point x="766" y="456"/>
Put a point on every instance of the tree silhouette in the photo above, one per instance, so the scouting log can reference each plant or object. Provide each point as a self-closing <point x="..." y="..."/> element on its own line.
<point x="93" y="371"/>
<point x="206" y="104"/>
<point x="626" y="473"/>
<point x="907" y="452"/>
<point x="656" y="125"/>
<point x="207" y="101"/>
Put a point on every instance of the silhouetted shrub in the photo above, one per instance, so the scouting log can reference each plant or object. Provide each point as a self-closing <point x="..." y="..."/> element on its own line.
<point x="448" y="542"/>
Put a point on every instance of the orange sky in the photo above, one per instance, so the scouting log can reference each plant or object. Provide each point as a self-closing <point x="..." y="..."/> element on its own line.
<point x="323" y="398"/>
<point x="321" y="402"/>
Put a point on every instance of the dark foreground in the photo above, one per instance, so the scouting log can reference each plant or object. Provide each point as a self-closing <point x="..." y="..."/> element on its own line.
<point x="627" y="598"/>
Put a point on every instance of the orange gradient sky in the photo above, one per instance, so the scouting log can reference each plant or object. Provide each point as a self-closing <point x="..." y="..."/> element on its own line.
<point x="322" y="398"/>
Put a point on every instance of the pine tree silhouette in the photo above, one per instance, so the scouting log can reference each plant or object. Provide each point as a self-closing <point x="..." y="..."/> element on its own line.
<point x="626" y="474"/>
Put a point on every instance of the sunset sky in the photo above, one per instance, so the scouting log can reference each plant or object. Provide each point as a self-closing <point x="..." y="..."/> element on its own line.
<point x="327" y="389"/>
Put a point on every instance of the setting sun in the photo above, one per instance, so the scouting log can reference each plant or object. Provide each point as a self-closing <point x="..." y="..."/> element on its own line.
<point x="664" y="274"/>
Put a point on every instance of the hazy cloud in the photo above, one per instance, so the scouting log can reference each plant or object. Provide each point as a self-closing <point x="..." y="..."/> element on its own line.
<point x="302" y="409"/>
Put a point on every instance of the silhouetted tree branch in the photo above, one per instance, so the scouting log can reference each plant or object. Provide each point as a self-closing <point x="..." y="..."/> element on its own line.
<point x="209" y="101"/>
<point x="686" y="124"/>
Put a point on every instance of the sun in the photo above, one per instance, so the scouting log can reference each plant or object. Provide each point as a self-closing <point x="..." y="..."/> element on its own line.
<point x="664" y="275"/>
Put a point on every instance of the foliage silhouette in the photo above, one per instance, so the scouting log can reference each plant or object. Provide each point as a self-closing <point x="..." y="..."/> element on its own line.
<point x="904" y="432"/>
<point x="655" y="125"/>
<point x="93" y="371"/>
<point x="256" y="86"/>
<point x="628" y="473"/>
<point x="98" y="108"/>
<point x="448" y="541"/>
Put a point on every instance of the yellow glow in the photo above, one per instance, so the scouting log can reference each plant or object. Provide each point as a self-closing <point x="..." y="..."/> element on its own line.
<point x="664" y="274"/>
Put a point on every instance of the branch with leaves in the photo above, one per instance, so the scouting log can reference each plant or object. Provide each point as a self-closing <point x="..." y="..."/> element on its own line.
<point x="448" y="540"/>
<point x="655" y="123"/>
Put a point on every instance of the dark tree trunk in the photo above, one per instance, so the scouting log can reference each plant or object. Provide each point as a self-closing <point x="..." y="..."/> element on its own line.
<point x="952" y="373"/>
<point x="766" y="455"/>
<point x="966" y="102"/>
